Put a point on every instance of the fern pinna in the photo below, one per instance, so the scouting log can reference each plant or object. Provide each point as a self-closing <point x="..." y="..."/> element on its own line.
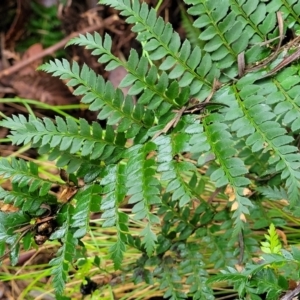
<point x="155" y="153"/>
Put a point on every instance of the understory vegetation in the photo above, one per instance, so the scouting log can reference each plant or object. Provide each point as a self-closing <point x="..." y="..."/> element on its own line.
<point x="187" y="185"/>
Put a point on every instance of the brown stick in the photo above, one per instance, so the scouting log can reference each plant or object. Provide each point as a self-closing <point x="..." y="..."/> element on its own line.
<point x="272" y="56"/>
<point x="290" y="295"/>
<point x="55" y="47"/>
<point x="286" y="61"/>
<point x="170" y="124"/>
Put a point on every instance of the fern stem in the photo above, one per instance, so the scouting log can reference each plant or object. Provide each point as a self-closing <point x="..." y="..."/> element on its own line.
<point x="29" y="109"/>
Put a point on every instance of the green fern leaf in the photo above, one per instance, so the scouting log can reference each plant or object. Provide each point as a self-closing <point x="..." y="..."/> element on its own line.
<point x="228" y="30"/>
<point x="113" y="183"/>
<point x="114" y="191"/>
<point x="212" y="141"/>
<point x="101" y="95"/>
<point x="119" y="247"/>
<point x="65" y="254"/>
<point x="192" y="263"/>
<point x="26" y="200"/>
<point x="172" y="171"/>
<point x="227" y="277"/>
<point x="143" y="189"/>
<point x="9" y="222"/>
<point x="87" y="201"/>
<point x="191" y="31"/>
<point x="169" y="279"/>
<point x="23" y="175"/>
<point x="161" y="41"/>
<point x="149" y="239"/>
<point x="256" y="121"/>
<point x="117" y="251"/>
<point x="272" y="243"/>
<point x="273" y="193"/>
<point x="68" y="138"/>
<point x="145" y="82"/>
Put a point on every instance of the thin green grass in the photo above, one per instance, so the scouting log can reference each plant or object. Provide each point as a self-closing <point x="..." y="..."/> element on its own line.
<point x="59" y="109"/>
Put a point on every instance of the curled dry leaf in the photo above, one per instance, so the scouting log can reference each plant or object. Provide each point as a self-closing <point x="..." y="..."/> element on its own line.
<point x="283" y="237"/>
<point x="229" y="191"/>
<point x="243" y="217"/>
<point x="247" y="192"/>
<point x="234" y="206"/>
<point x="32" y="51"/>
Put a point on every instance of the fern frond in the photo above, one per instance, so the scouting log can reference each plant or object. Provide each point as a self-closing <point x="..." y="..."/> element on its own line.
<point x="192" y="263"/>
<point x="65" y="254"/>
<point x="228" y="30"/>
<point x="101" y="95"/>
<point x="143" y="189"/>
<point x="236" y="277"/>
<point x="212" y="140"/>
<point x="26" y="200"/>
<point x="23" y="174"/>
<point x="172" y="171"/>
<point x="290" y="11"/>
<point x="118" y="249"/>
<point x="66" y="137"/>
<point x="160" y="40"/>
<point x="87" y="201"/>
<point x="272" y="243"/>
<point x="171" y="280"/>
<point x="253" y="118"/>
<point x="273" y="193"/>
<point x="192" y="32"/>
<point x="155" y="89"/>
<point x="114" y="192"/>
<point x="283" y="95"/>
<point x="10" y="221"/>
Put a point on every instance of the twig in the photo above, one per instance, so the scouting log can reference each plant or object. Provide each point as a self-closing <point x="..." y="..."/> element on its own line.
<point x="213" y="195"/>
<point x="286" y="61"/>
<point x="170" y="124"/>
<point x="290" y="295"/>
<point x="271" y="57"/>
<point x="52" y="49"/>
<point x="242" y="248"/>
<point x="191" y="109"/>
<point x="216" y="86"/>
<point x="241" y="64"/>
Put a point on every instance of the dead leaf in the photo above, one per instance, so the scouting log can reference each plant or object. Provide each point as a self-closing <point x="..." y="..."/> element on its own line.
<point x="31" y="52"/>
<point x="67" y="193"/>
<point x="239" y="268"/>
<point x="230" y="192"/>
<point x="243" y="218"/>
<point x="247" y="192"/>
<point x="234" y="206"/>
<point x="282" y="235"/>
